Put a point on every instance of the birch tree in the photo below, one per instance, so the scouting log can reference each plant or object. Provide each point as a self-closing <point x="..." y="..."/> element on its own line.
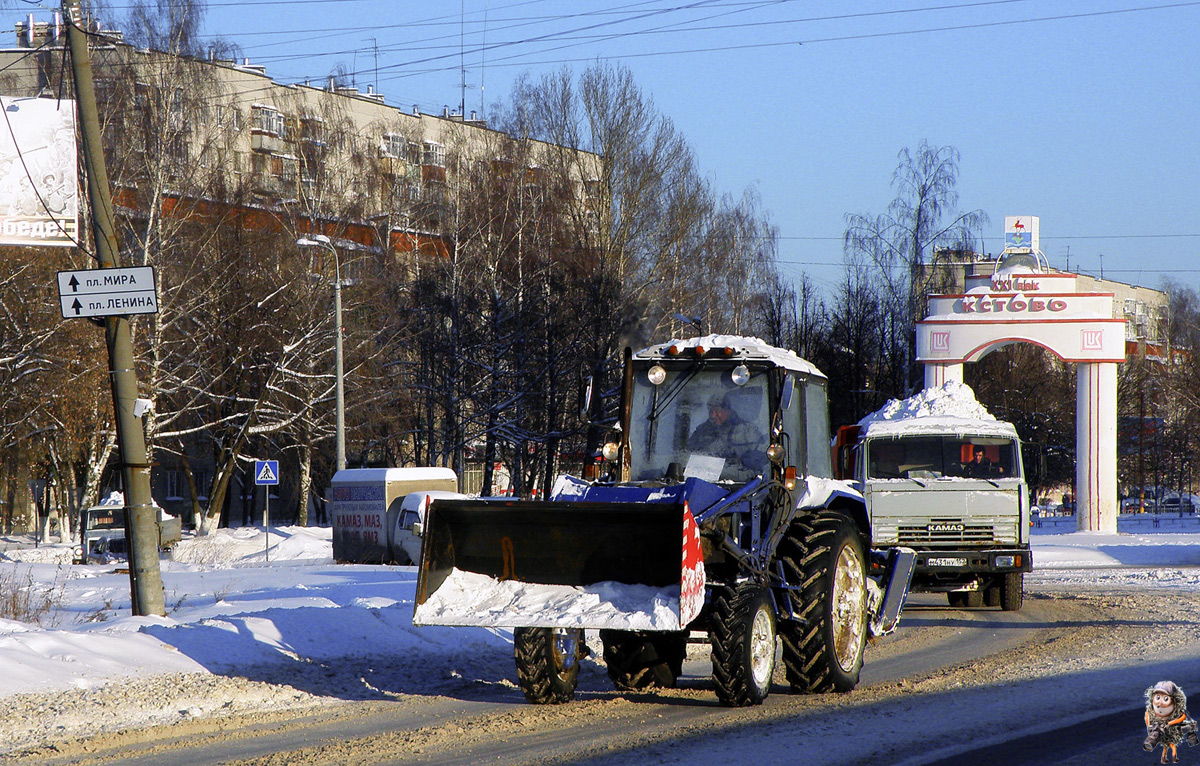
<point x="900" y="243"/>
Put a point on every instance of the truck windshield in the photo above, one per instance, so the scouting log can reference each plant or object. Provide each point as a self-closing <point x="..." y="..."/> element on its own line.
<point x="932" y="457"/>
<point x="698" y="423"/>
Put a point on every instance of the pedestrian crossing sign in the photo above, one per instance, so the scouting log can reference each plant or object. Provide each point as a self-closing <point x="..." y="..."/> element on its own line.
<point x="266" y="472"/>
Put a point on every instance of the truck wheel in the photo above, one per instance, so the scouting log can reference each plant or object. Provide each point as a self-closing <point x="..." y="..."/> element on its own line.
<point x="1013" y="594"/>
<point x="642" y="660"/>
<point x="824" y="652"/>
<point x="742" y="634"/>
<point x="991" y="595"/>
<point x="548" y="663"/>
<point x="965" y="599"/>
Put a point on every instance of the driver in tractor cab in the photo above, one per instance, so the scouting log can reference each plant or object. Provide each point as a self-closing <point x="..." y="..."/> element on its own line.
<point x="726" y="435"/>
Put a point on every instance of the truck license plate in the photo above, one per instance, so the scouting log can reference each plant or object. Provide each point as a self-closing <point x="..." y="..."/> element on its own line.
<point x="946" y="562"/>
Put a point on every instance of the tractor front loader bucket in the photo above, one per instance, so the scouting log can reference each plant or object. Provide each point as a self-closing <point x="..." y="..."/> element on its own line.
<point x="499" y="563"/>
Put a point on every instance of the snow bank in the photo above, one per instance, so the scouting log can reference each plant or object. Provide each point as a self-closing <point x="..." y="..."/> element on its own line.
<point x="949" y="408"/>
<point x="469" y="598"/>
<point x="250" y="546"/>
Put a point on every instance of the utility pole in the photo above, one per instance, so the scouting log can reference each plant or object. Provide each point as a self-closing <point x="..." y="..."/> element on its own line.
<point x="141" y="525"/>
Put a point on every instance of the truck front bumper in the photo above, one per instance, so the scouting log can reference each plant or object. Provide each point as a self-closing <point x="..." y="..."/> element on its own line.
<point x="950" y="563"/>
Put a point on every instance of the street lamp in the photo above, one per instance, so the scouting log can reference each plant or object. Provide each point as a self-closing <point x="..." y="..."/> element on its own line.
<point x="320" y="240"/>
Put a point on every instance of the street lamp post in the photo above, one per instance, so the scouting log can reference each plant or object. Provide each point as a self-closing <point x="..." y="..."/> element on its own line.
<point x="320" y="240"/>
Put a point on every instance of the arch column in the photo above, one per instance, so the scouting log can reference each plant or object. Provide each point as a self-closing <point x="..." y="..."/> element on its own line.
<point x="937" y="373"/>
<point x="1096" y="447"/>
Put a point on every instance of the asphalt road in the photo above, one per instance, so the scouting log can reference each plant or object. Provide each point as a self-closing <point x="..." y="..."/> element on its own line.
<point x="494" y="724"/>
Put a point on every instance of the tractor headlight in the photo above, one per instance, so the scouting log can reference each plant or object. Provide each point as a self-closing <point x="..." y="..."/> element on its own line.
<point x="656" y="374"/>
<point x="741" y="375"/>
<point x="775" y="453"/>
<point x="610" y="450"/>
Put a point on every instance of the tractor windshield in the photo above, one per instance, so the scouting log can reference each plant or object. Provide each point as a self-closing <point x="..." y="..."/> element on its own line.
<point x="699" y="422"/>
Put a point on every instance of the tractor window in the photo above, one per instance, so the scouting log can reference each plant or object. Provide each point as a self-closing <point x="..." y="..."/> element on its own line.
<point x="793" y="427"/>
<point x="698" y="423"/>
<point x="820" y="461"/>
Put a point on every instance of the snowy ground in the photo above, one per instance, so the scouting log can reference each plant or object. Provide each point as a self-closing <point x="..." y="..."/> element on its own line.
<point x="231" y="610"/>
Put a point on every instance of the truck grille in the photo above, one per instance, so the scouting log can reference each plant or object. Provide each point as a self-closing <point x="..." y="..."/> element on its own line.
<point x="944" y="531"/>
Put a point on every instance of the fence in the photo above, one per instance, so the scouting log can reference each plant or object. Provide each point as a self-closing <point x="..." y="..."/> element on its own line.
<point x="1128" y="522"/>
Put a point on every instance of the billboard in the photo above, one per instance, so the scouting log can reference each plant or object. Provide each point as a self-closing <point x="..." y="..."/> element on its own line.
<point x="39" y="185"/>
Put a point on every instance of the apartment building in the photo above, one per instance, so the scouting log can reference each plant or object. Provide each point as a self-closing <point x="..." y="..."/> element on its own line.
<point x="351" y="165"/>
<point x="206" y="139"/>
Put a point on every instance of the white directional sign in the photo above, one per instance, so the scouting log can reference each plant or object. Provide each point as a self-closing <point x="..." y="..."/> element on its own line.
<point x="266" y="472"/>
<point x="107" y="292"/>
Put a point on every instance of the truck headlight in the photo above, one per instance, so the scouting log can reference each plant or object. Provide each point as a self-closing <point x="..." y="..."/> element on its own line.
<point x="1006" y="561"/>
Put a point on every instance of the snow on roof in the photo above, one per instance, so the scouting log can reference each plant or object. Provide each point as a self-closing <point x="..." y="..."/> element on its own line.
<point x="376" y="475"/>
<point x="949" y="408"/>
<point x="751" y="349"/>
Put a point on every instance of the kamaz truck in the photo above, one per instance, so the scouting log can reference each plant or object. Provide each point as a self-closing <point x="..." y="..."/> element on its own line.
<point x="941" y="475"/>
<point x="716" y="519"/>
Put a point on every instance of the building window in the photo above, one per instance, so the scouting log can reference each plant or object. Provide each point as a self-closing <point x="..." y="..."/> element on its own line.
<point x="434" y="154"/>
<point x="175" y="484"/>
<point x="268" y="120"/>
<point x="395" y="146"/>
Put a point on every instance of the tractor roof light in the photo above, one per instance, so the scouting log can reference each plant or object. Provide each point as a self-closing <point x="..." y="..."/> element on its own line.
<point x="656" y="375"/>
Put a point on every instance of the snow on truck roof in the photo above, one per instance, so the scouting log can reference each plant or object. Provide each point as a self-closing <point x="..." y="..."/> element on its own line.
<point x="381" y="475"/>
<point x="949" y="408"/>
<point x="746" y="348"/>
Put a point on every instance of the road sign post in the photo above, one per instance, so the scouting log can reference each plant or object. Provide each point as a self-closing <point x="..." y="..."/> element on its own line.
<point x="266" y="473"/>
<point x="145" y="577"/>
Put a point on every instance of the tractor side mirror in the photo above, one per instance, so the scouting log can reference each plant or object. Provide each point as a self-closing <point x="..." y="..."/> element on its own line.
<point x="585" y="398"/>
<point x="789" y="390"/>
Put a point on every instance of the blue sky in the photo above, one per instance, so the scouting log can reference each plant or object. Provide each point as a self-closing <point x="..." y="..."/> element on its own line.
<point x="1077" y="112"/>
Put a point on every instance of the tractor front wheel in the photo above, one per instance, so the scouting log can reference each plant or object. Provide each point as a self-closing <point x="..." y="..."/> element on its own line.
<point x="742" y="634"/>
<point x="548" y="663"/>
<point x="643" y="660"/>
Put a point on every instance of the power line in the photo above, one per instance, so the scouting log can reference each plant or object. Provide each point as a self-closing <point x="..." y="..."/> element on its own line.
<point x="816" y="40"/>
<point x="561" y="35"/>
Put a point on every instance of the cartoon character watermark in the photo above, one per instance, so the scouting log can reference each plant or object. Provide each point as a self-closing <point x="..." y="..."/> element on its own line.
<point x="1167" y="721"/>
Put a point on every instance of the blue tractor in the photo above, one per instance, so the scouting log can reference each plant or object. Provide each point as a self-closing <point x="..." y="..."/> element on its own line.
<point x="715" y="518"/>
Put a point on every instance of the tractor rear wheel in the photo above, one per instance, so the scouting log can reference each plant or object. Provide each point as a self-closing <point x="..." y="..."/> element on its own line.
<point x="742" y="634"/>
<point x="642" y="660"/>
<point x="548" y="663"/>
<point x="823" y="555"/>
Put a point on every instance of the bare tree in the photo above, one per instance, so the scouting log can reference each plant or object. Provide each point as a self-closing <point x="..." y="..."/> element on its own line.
<point x="900" y="243"/>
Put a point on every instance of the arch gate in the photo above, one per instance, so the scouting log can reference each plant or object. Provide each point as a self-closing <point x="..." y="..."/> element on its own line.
<point x="1022" y="302"/>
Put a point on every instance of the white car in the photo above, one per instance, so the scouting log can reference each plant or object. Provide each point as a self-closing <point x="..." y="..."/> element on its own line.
<point x="406" y="538"/>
